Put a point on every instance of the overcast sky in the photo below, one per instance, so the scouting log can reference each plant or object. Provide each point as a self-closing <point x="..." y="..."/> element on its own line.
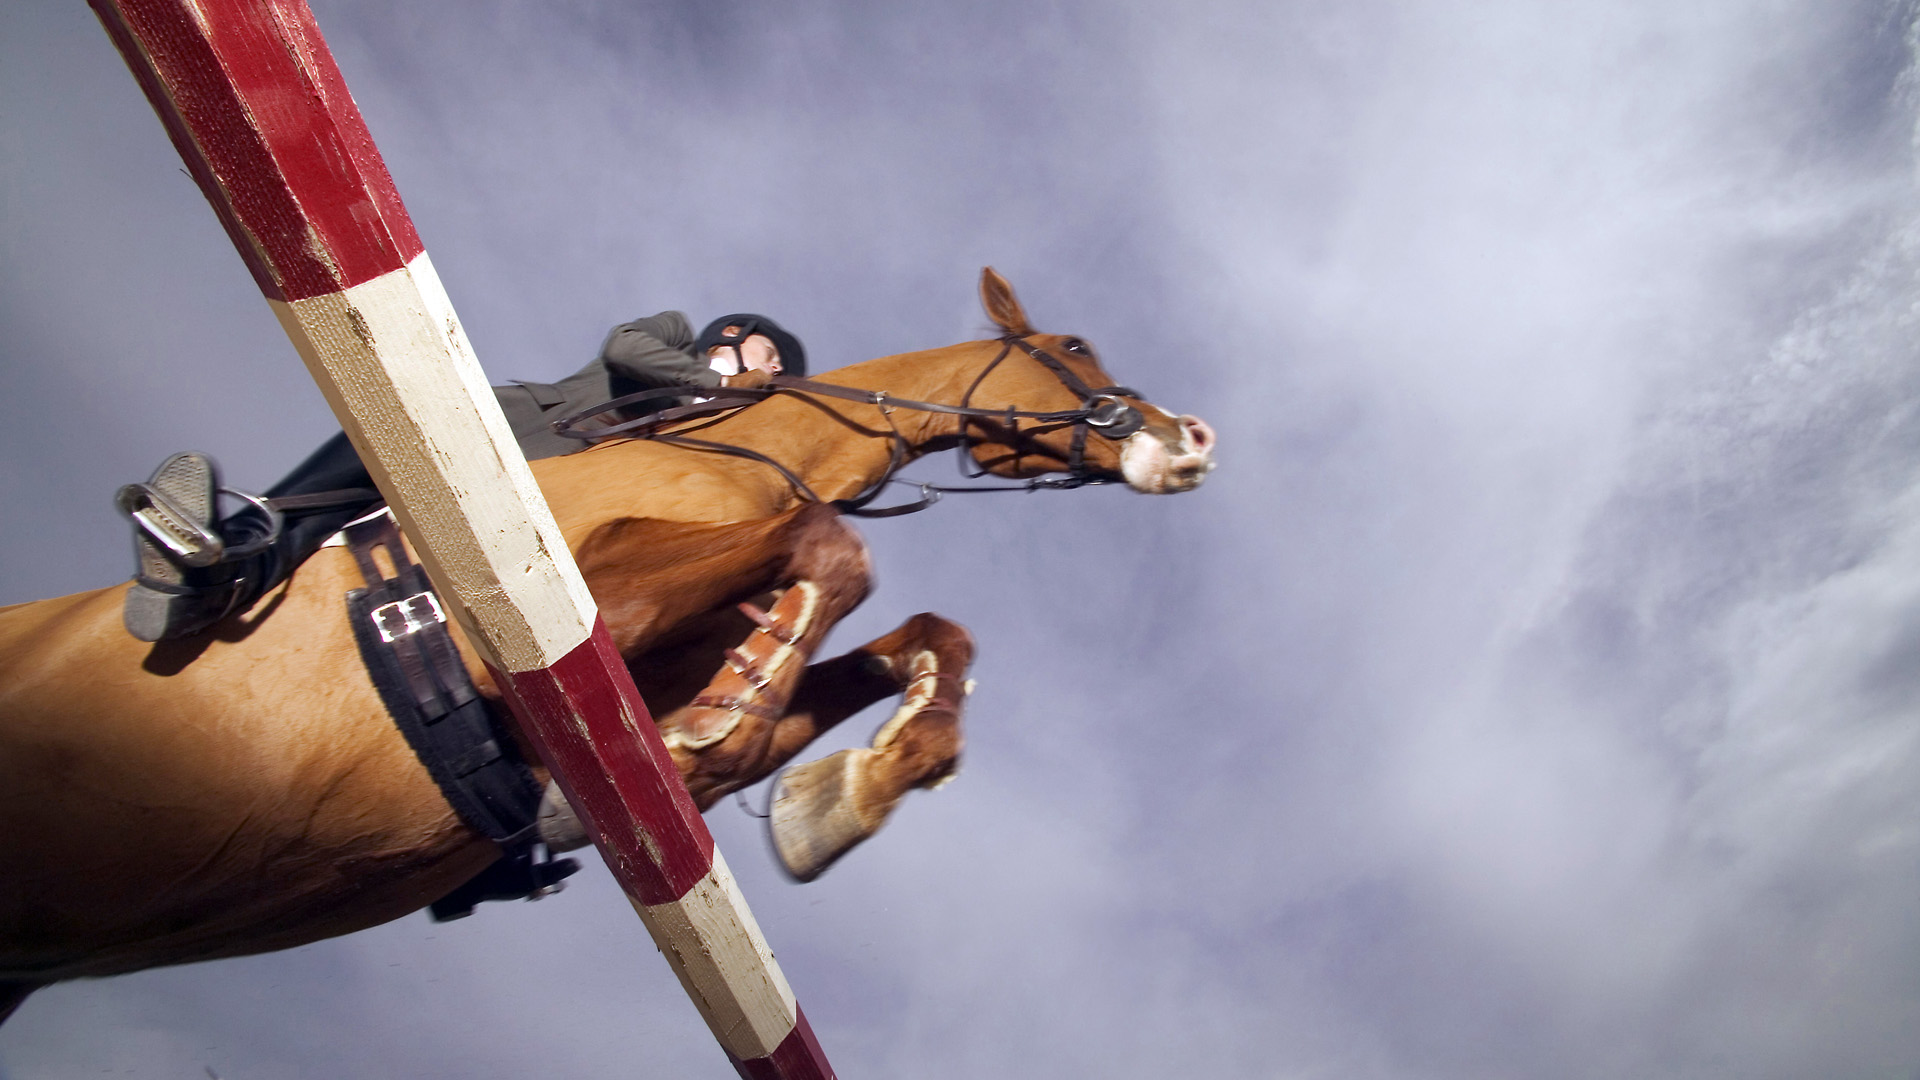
<point x="1531" y="692"/>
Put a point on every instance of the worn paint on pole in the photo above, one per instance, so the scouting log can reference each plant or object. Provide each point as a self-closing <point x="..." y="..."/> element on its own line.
<point x="260" y="114"/>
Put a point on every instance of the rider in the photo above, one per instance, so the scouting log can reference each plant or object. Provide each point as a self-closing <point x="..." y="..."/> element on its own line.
<point x="194" y="568"/>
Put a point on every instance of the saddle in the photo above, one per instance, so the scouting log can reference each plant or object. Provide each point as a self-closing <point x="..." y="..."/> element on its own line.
<point x="401" y="630"/>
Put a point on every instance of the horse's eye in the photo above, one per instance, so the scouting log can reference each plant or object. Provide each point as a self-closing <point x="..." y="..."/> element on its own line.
<point x="1077" y="347"/>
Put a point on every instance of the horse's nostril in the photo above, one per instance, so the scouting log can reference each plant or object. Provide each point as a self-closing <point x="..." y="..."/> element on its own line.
<point x="1199" y="435"/>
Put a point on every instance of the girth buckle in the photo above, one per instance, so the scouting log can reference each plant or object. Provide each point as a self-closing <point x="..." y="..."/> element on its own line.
<point x="408" y="616"/>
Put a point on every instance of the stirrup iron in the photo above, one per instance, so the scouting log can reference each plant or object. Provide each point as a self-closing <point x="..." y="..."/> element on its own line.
<point x="192" y="542"/>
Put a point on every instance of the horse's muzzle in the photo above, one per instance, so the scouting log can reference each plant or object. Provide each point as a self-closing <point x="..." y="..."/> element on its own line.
<point x="1168" y="462"/>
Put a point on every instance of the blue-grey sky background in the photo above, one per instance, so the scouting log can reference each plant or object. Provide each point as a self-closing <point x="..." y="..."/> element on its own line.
<point x="1531" y="692"/>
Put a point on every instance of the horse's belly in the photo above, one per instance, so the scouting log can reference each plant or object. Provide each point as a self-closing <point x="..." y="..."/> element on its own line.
<point x="252" y="798"/>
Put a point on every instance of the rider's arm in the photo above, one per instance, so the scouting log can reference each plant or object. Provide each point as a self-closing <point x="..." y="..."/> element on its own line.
<point x="650" y="352"/>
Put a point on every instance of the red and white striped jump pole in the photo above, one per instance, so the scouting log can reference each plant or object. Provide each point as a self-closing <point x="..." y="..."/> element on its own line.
<point x="258" y="110"/>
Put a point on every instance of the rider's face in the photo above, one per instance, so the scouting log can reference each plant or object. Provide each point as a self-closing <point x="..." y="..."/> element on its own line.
<point x="757" y="353"/>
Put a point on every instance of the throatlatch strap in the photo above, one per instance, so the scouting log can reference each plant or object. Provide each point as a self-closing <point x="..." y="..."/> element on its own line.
<point x="402" y="633"/>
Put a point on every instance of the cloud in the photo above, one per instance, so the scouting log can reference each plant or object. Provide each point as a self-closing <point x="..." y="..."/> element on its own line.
<point x="1528" y="693"/>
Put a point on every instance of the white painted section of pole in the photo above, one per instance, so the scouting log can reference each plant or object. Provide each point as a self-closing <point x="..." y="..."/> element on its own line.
<point x="394" y="363"/>
<point x="725" y="964"/>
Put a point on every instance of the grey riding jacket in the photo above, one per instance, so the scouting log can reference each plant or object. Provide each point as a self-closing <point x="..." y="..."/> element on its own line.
<point x="645" y="354"/>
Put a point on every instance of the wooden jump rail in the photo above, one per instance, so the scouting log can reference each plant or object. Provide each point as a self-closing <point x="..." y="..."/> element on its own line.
<point x="260" y="113"/>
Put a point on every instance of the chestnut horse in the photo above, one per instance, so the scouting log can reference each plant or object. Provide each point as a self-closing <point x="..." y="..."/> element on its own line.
<point x="244" y="790"/>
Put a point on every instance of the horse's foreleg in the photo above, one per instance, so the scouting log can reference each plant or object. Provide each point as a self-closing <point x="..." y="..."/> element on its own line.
<point x="722" y="737"/>
<point x="836" y="689"/>
<point x="652" y="578"/>
<point x="823" y="808"/>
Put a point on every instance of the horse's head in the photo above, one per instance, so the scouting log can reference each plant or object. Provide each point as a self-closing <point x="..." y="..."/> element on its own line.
<point x="1102" y="431"/>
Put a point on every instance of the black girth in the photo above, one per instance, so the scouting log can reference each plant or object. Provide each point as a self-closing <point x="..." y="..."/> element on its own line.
<point x="401" y="630"/>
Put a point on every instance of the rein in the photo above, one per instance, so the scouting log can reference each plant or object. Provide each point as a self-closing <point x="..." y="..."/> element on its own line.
<point x="1101" y="411"/>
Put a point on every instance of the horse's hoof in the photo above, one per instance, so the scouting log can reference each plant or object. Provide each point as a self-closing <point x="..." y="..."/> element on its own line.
<point x="813" y="820"/>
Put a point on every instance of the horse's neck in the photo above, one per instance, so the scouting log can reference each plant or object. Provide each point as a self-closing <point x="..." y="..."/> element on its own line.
<point x="837" y="448"/>
<point x="840" y="447"/>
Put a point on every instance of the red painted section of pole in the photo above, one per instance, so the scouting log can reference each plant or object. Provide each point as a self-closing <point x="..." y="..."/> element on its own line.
<point x="798" y="1058"/>
<point x="614" y="768"/>
<point x="262" y="117"/>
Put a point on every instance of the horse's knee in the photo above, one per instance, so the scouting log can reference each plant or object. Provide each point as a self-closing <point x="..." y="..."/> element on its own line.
<point x="897" y="653"/>
<point x="942" y="635"/>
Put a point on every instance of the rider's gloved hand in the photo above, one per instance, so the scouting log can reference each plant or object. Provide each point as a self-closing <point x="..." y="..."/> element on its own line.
<point x="746" y="380"/>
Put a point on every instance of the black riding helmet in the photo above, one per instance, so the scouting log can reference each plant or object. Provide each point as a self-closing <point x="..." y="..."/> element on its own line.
<point x="793" y="355"/>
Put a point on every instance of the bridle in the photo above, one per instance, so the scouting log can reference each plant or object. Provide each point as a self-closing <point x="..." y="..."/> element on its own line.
<point x="1101" y="412"/>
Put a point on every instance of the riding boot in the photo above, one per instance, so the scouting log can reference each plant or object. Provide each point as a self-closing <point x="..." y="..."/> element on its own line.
<point x="333" y="469"/>
<point x="192" y="569"/>
<point x="195" y="568"/>
<point x="176" y="549"/>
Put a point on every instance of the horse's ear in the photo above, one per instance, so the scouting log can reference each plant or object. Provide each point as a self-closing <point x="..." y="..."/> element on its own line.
<point x="1002" y="307"/>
